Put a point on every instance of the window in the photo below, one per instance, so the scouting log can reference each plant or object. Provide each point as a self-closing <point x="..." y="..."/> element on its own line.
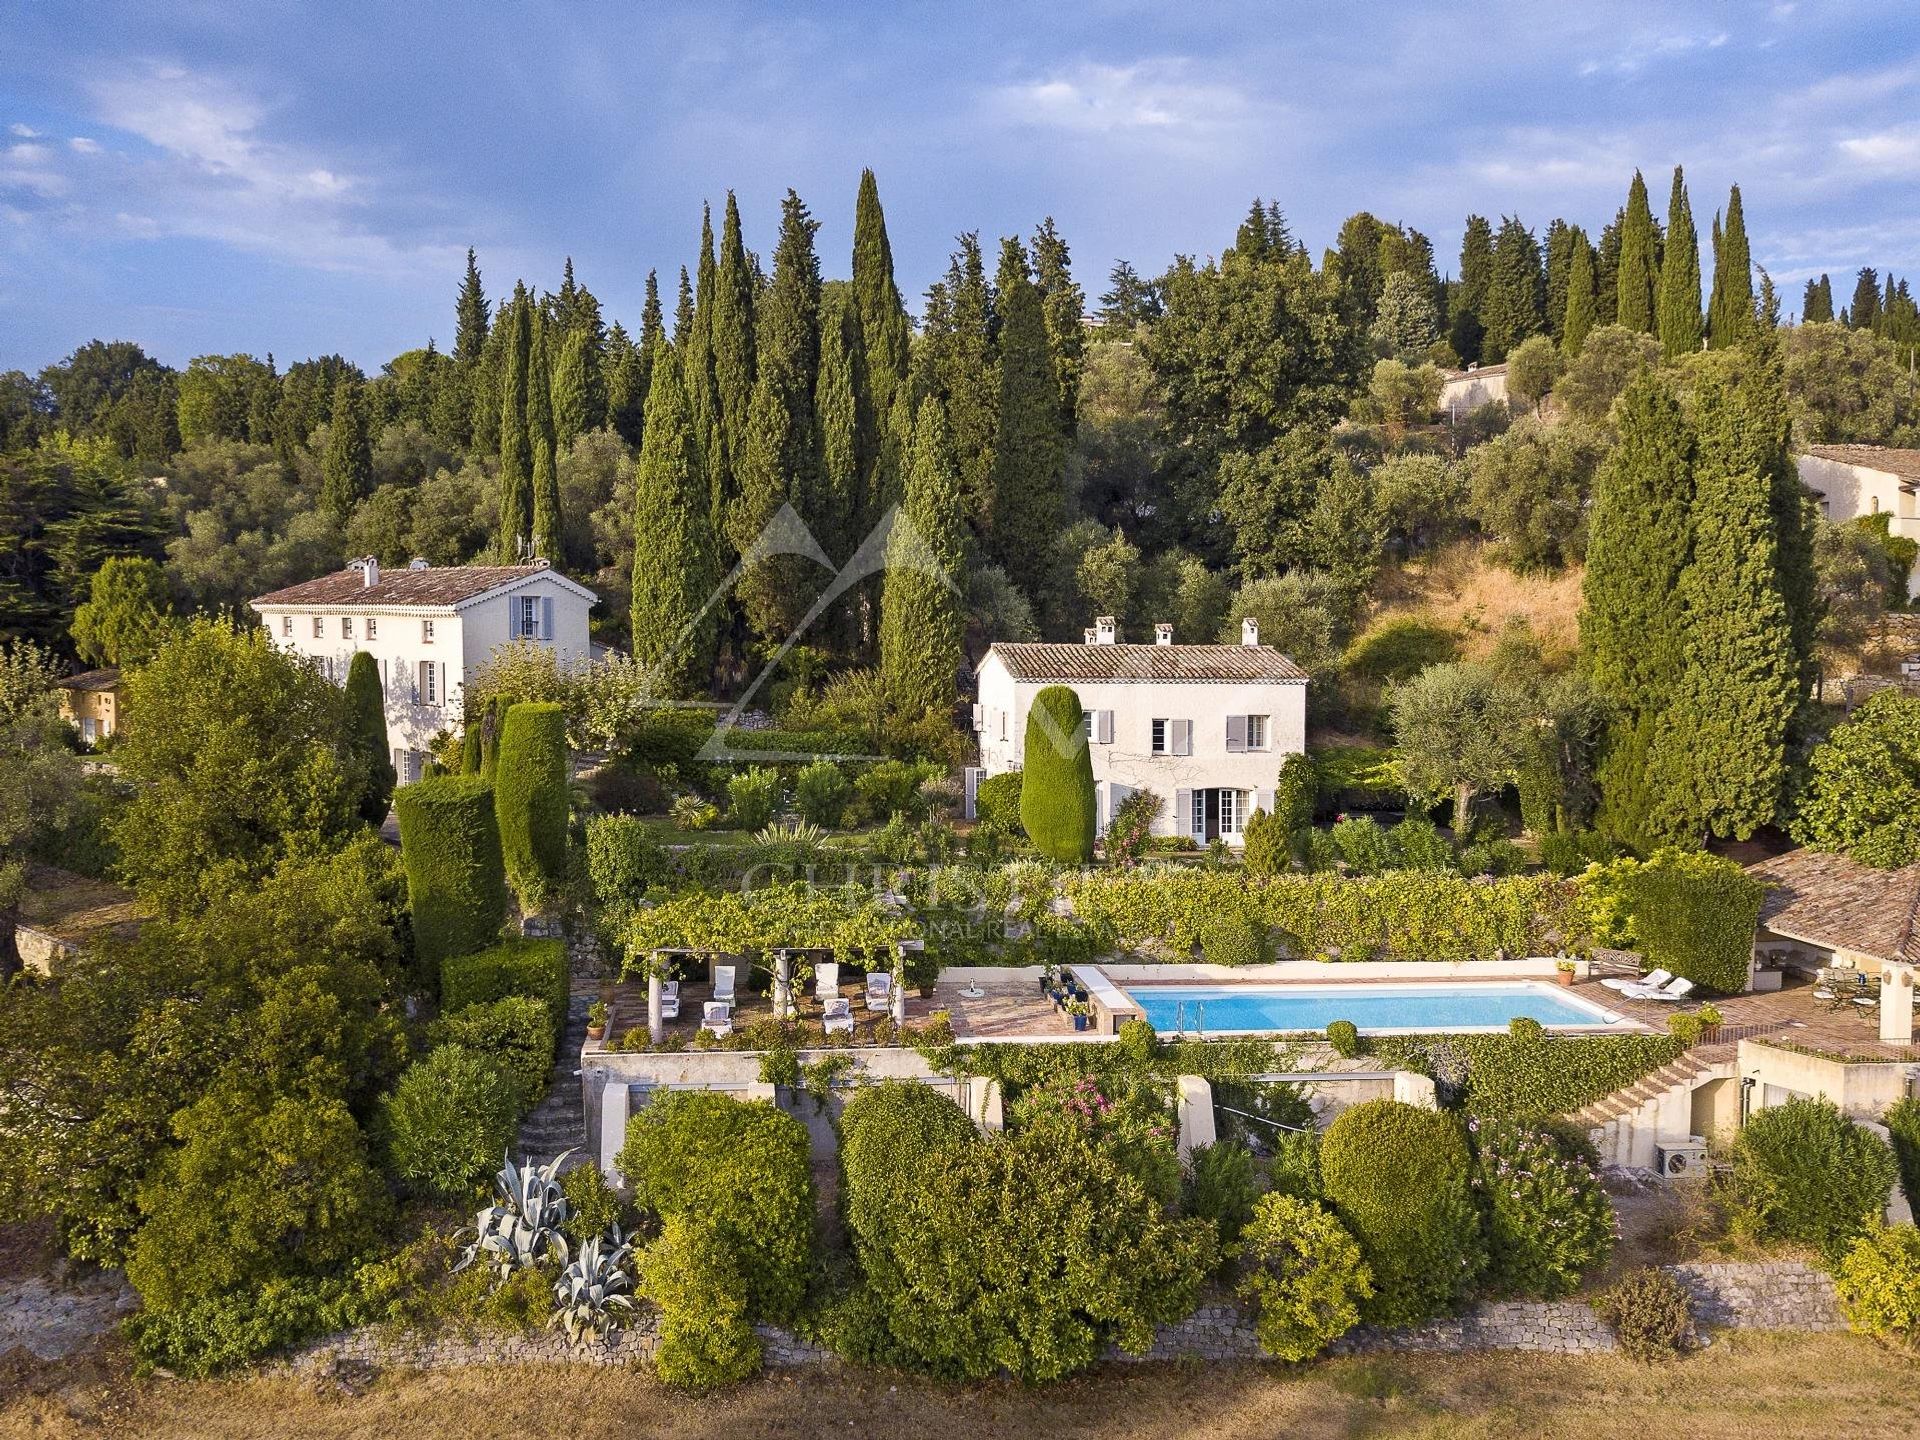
<point x="346" y="627"/>
<point x="1230" y="810"/>
<point x="319" y="627"/>
<point x="1172" y="737"/>
<point x="286" y="626"/>
<point x="1256" y="732"/>
<point x="373" y="628"/>
<point x="429" y="691"/>
<point x="426" y="632"/>
<point x="529" y="616"/>
<point x="1160" y="737"/>
<point x="1246" y="732"/>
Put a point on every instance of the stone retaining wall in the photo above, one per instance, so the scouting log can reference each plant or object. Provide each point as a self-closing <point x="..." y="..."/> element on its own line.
<point x="1780" y="1295"/>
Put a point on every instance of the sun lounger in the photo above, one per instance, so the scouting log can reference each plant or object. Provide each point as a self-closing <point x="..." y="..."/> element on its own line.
<point x="879" y="990"/>
<point x="837" y="1015"/>
<point x="719" y="1018"/>
<point x="1652" y="980"/>
<point x="1676" y="989"/>
<point x="669" y="999"/>
<point x="826" y="980"/>
<point x="723" y="984"/>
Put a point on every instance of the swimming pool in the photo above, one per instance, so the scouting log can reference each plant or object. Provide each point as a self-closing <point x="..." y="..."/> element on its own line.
<point x="1375" y="1007"/>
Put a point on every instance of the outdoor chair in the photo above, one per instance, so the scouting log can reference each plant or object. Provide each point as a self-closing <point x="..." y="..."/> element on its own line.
<point x="826" y="980"/>
<point x="1675" y="989"/>
<point x="879" y="990"/>
<point x="723" y="984"/>
<point x="1652" y="980"/>
<point x="719" y="1018"/>
<point x="669" y="999"/>
<point x="837" y="1015"/>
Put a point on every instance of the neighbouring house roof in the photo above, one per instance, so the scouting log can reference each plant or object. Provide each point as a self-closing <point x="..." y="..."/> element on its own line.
<point x="1885" y="458"/>
<point x="437" y="587"/>
<point x="1831" y="901"/>
<point x="1146" y="664"/>
<point x="107" y="679"/>
<point x="1478" y="372"/>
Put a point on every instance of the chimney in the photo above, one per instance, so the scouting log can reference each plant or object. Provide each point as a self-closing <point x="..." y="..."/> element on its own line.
<point x="1163" y="633"/>
<point x="1103" y="629"/>
<point x="369" y="569"/>
<point x="1091" y="639"/>
<point x="419" y="562"/>
<point x="1249" y="631"/>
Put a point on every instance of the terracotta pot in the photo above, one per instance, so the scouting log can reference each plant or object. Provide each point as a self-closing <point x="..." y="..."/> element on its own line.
<point x="1565" y="977"/>
<point x="596" y="1032"/>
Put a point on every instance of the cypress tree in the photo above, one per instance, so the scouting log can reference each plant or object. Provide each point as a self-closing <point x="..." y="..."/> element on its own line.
<point x="703" y="402"/>
<point x="967" y="373"/>
<point x="570" y="386"/>
<point x="530" y="800"/>
<point x="456" y="884"/>
<point x="1028" y="484"/>
<point x="1730" y="315"/>
<point x="1632" y="631"/>
<point x="367" y="735"/>
<point x="1466" y="312"/>
<point x="674" y="571"/>
<point x="1606" y="271"/>
<point x="1816" y="305"/>
<point x="628" y="373"/>
<point x="1057" y="806"/>
<point x="469" y="345"/>
<point x="847" y="425"/>
<point x="731" y="343"/>
<point x="1721" y="745"/>
<point x="883" y="316"/>
<point x="683" y="316"/>
<point x="1639" y="271"/>
<point x="781" y="464"/>
<point x="1680" y="324"/>
<point x="489" y="382"/>
<point x="1578" y="318"/>
<point x="545" y="486"/>
<point x="922" y="611"/>
<point x="516" y="445"/>
<point x="1516" y="291"/>
<point x="346" y="470"/>
<point x="1865" y="309"/>
<point x="1559" y="250"/>
<point x="1064" y="304"/>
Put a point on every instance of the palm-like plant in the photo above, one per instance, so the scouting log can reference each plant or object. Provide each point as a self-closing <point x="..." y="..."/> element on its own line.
<point x="591" y="1295"/>
<point x="522" y="1228"/>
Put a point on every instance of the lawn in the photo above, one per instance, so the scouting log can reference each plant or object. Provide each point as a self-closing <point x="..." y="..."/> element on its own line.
<point x="1779" y="1386"/>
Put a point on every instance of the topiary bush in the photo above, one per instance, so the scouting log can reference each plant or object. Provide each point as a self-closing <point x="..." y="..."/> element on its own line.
<point x="821" y="792"/>
<point x="456" y="884"/>
<point x="1221" y="1186"/>
<point x="1804" y="1172"/>
<point x="753" y="796"/>
<point x="1879" y="1283"/>
<point x="744" y="1164"/>
<point x="1234" y="937"/>
<point x="1265" y="847"/>
<point x="517" y="1032"/>
<point x="1344" y="1036"/>
<point x="692" y="1273"/>
<point x="1397" y="1176"/>
<point x="367" y="735"/>
<point x="530" y="797"/>
<point x="997" y="801"/>
<point x="1304" y="1276"/>
<point x="1548" y="1222"/>
<point x="536" y="969"/>
<point x="1056" y="786"/>
<point x="1648" y="1311"/>
<point x="448" y="1121"/>
<point x="623" y="859"/>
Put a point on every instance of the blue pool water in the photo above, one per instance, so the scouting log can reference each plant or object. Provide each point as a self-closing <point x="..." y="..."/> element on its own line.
<point x="1224" y="1009"/>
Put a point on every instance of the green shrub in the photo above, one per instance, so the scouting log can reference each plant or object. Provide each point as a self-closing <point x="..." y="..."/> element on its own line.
<point x="1265" y="847"/>
<point x="671" y="740"/>
<point x="1221" y="1186"/>
<point x="536" y="969"/>
<point x="1127" y="1117"/>
<point x="1648" y="1311"/>
<point x="1131" y="827"/>
<point x="367" y="734"/>
<point x="997" y="801"/>
<point x="1493" y="857"/>
<point x="690" y="812"/>
<point x="1548" y="1222"/>
<point x="456" y="883"/>
<point x="1234" y="937"/>
<point x="517" y="1032"/>
<point x="593" y="1206"/>
<point x="1296" y="791"/>
<point x="1303" y="1275"/>
<point x="206" y="1336"/>
<point x="893" y="788"/>
<point x="1569" y="853"/>
<point x="1903" y="1128"/>
<point x="747" y="1167"/>
<point x="1879" y="1283"/>
<point x="1525" y="1030"/>
<point x="448" y="1121"/>
<point x="1363" y="844"/>
<point x="1355" y="777"/>
<point x="1344" y="1036"/>
<point x="887" y="1133"/>
<point x="1417" y="844"/>
<point x="1400" y="648"/>
<point x="1804" y="1172"/>
<point x="530" y="798"/>
<point x="1397" y="1176"/>
<point x="623" y="859"/>
<point x="1690" y="912"/>
<point x="1056" y="787"/>
<point x="821" y="792"/>
<point x="693" y="1274"/>
<point x="752" y="797"/>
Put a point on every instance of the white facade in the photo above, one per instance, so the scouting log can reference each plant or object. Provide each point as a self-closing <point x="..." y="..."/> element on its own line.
<point x="1464" y="391"/>
<point x="1852" y="481"/>
<point x="429" y="631"/>
<point x="1201" y="727"/>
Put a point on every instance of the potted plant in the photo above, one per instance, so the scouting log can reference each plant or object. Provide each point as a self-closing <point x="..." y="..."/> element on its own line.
<point x="1563" y="971"/>
<point x="1081" y="1013"/>
<point x="1710" y="1021"/>
<point x="596" y="1020"/>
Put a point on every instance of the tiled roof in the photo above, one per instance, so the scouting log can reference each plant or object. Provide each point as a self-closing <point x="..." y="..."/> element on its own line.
<point x="1479" y="372"/>
<point x="1146" y="663"/>
<point x="1830" y="900"/>
<point x="1885" y="458"/>
<point x="92" y="680"/>
<point x="438" y="586"/>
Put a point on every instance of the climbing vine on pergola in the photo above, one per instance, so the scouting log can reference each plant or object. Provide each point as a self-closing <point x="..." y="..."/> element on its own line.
<point x="846" y="920"/>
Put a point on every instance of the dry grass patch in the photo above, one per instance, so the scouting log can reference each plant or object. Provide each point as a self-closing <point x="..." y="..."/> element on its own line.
<point x="1462" y="586"/>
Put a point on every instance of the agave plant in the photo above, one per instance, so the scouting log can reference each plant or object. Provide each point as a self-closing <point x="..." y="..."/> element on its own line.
<point x="590" y="1297"/>
<point x="522" y="1227"/>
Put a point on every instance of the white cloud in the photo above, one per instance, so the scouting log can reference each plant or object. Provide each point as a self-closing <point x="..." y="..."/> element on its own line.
<point x="1152" y="97"/>
<point x="1897" y="148"/>
<point x="1646" y="50"/>
<point x="84" y="146"/>
<point x="25" y="132"/>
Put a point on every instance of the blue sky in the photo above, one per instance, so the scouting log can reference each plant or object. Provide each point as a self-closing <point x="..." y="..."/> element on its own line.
<point x="203" y="175"/>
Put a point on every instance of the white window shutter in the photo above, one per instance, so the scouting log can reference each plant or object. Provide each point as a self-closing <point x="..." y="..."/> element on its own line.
<point x="1103" y="727"/>
<point x="1236" y="734"/>
<point x="420" y="684"/>
<point x="979" y="715"/>
<point x="974" y="775"/>
<point x="1183" y="812"/>
<point x="1263" y="800"/>
<point x="546" y="617"/>
<point x="1183" y="737"/>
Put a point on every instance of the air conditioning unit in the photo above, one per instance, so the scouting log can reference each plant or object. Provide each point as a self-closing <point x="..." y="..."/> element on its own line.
<point x="1681" y="1159"/>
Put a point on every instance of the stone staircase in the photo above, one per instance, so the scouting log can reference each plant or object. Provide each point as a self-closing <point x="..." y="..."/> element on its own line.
<point x="559" y="1121"/>
<point x="1627" y="1124"/>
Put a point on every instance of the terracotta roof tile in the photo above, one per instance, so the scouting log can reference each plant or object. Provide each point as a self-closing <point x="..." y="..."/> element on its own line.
<point x="1885" y="458"/>
<point x="1831" y="900"/>
<point x="439" y="585"/>
<point x="1124" y="664"/>
<point x="92" y="680"/>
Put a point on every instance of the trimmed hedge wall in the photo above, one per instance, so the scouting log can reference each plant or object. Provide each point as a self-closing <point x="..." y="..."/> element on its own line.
<point x="1056" y="786"/>
<point x="1400" y="915"/>
<point x="450" y="847"/>
<point x="534" y="968"/>
<point x="1497" y="1075"/>
<point x="530" y="788"/>
<point x="1695" y="914"/>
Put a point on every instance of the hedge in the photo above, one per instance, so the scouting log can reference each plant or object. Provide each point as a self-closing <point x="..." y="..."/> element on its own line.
<point x="1401" y="915"/>
<point x="1692" y="913"/>
<point x="534" y="968"/>
<point x="516" y="1033"/>
<point x="1397" y="1176"/>
<point x="456" y="884"/>
<point x="1056" y="786"/>
<point x="449" y="1120"/>
<point x="1498" y="1075"/>
<point x="1805" y="1172"/>
<point x="530" y="788"/>
<point x="998" y="800"/>
<point x="1903" y="1127"/>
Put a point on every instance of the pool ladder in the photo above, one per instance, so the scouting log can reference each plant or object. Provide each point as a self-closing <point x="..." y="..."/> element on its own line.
<point x="1199" y="1019"/>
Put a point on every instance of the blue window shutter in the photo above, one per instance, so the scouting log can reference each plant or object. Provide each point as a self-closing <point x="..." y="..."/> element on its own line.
<point x="546" y="617"/>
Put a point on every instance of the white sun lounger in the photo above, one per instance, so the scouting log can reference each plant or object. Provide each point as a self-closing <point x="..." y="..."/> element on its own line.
<point x="719" y="1018"/>
<point x="879" y="990"/>
<point x="838" y="1015"/>
<point x="1677" y="988"/>
<point x="669" y="999"/>
<point x="1652" y="980"/>
<point x="723" y="984"/>
<point x="826" y="980"/>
